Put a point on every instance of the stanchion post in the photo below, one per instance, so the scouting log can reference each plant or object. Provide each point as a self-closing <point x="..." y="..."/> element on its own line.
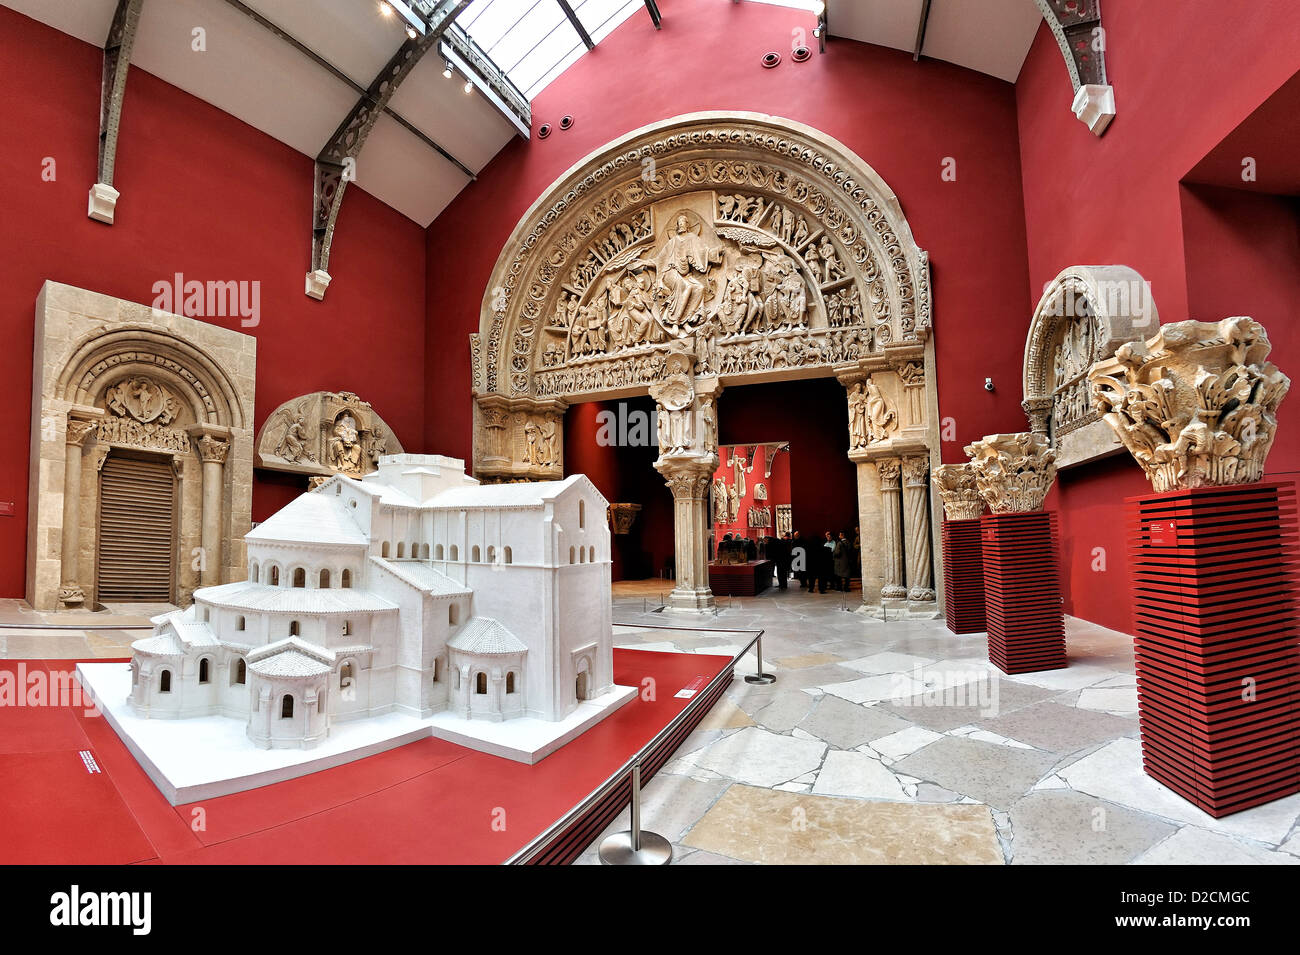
<point x="760" y="677"/>
<point x="635" y="847"/>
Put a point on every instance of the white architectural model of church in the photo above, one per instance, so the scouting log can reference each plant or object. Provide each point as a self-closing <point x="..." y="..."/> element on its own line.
<point x="413" y="590"/>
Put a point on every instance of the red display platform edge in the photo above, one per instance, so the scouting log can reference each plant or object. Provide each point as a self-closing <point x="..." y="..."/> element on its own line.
<point x="963" y="577"/>
<point x="1022" y="591"/>
<point x="1213" y="599"/>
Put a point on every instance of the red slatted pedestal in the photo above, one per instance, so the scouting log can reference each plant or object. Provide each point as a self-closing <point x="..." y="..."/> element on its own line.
<point x="963" y="576"/>
<point x="1022" y="593"/>
<point x="1218" y="668"/>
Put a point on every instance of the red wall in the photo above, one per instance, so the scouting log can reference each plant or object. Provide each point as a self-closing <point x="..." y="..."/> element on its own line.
<point x="208" y="196"/>
<point x="901" y="117"/>
<point x="1117" y="200"/>
<point x="762" y="458"/>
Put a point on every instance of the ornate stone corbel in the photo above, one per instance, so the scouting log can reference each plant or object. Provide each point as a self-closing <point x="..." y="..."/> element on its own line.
<point x="1013" y="472"/>
<point x="1076" y="24"/>
<point x="1196" y="404"/>
<point x="957" y="488"/>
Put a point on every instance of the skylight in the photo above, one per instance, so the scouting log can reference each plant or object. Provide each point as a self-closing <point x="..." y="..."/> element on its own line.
<point x="532" y="41"/>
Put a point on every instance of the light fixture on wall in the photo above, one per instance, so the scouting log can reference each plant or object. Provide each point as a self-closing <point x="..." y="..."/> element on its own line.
<point x="771" y="59"/>
<point x="566" y="122"/>
<point x="469" y="86"/>
<point x="446" y="70"/>
<point x="543" y="130"/>
<point x="410" y="32"/>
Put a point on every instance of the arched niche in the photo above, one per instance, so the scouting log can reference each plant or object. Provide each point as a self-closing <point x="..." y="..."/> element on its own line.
<point x="1085" y="314"/>
<point x="119" y="380"/>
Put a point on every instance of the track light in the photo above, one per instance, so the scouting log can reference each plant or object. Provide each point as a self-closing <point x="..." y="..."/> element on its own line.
<point x="469" y="86"/>
<point x="446" y="72"/>
<point x="410" y="32"/>
<point x="385" y="8"/>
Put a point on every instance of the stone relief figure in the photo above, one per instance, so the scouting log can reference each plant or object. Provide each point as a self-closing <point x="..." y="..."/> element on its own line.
<point x="293" y="446"/>
<point x="681" y="263"/>
<point x="880" y="417"/>
<point x="733" y="504"/>
<point x="143" y="399"/>
<point x="376" y="447"/>
<point x="800" y="232"/>
<point x="345" y="445"/>
<point x="858" y="433"/>
<point x="709" y="420"/>
<point x="832" y="269"/>
<point x="721" y="509"/>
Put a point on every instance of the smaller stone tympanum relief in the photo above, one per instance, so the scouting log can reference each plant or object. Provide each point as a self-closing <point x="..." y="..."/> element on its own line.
<point x="325" y="433"/>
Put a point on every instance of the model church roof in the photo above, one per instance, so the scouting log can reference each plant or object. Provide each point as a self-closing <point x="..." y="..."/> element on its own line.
<point x="525" y="495"/>
<point x="311" y="519"/>
<point x="486" y="636"/>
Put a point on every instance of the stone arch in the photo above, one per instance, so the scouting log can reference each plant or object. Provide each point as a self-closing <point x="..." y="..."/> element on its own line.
<point x="121" y="379"/>
<point x="1084" y="315"/>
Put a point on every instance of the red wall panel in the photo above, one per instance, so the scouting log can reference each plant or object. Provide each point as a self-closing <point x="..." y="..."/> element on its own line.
<point x="208" y="196"/>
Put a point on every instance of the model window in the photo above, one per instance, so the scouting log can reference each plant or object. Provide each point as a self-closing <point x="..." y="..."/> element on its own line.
<point x="401" y="549"/>
<point x="286" y="707"/>
<point x="508" y="555"/>
<point x="165" y="681"/>
<point x="293" y="628"/>
<point x="437" y="554"/>
<point x="571" y="555"/>
<point x="476" y="555"/>
<point x="455" y="552"/>
<point x="324" y="580"/>
<point x="455" y="678"/>
<point x="239" y="623"/>
<point x="424" y="551"/>
<point x="480" y="683"/>
<point x="320" y="704"/>
<point x="345" y="675"/>
<point x="492" y="555"/>
<point x="413" y="549"/>
<point x="240" y="673"/>
<point x="383" y="549"/>
<point x="253" y="568"/>
<point x="275" y="576"/>
<point x="510" y="682"/>
<point x="347" y="579"/>
<point x="299" y="577"/>
<point x="591" y="554"/>
<point x="347" y="628"/>
<point x="452" y="614"/>
<point x="437" y="670"/>
<point x="203" y="670"/>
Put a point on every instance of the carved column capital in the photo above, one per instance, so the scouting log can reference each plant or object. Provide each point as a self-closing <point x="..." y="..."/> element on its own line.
<point x="1013" y="472"/>
<point x="961" y="497"/>
<point x="79" y="430"/>
<point x="1038" y="411"/>
<point x="689" y="483"/>
<point x="212" y="450"/>
<point x="890" y="471"/>
<point x="916" y="470"/>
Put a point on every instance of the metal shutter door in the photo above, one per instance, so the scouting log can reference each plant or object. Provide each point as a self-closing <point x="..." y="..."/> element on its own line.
<point x="137" y="504"/>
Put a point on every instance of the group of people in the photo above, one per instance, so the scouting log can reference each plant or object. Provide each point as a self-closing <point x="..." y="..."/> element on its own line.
<point x="819" y="566"/>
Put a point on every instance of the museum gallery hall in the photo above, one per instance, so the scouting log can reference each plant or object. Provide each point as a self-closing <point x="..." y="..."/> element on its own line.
<point x="761" y="432"/>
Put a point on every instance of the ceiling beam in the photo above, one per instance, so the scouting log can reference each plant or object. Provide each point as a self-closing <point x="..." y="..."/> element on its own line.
<point x="577" y="24"/>
<point x="336" y="164"/>
<point x="278" y="32"/>
<point x="117" y="64"/>
<point x="655" y="16"/>
<point x="1076" y="25"/>
<point x="920" y="31"/>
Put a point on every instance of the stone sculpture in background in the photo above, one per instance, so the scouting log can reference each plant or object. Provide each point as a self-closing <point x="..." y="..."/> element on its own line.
<point x="957" y="488"/>
<point x="1196" y="405"/>
<point x="1013" y="472"/>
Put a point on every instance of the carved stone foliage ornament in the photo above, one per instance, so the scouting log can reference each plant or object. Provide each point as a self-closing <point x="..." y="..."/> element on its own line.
<point x="622" y="516"/>
<point x="325" y="433"/>
<point x="1013" y="472"/>
<point x="759" y="243"/>
<point x="957" y="488"/>
<point x="1195" y="405"/>
<point x="1085" y="314"/>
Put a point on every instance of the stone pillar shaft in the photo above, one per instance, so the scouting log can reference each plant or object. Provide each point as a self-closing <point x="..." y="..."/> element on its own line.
<point x="690" y="487"/>
<point x="916" y="515"/>
<point x="212" y="451"/>
<point x="70" y="592"/>
<point x="889" y="471"/>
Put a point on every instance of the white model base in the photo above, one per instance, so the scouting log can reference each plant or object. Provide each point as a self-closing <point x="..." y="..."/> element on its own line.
<point x="209" y="756"/>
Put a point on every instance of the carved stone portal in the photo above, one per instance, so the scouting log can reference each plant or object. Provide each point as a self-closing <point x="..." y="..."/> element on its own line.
<point x="1195" y="405"/>
<point x="702" y="251"/>
<point x="325" y="433"/>
<point x="1013" y="472"/>
<point x="115" y="378"/>
<point x="1085" y="314"/>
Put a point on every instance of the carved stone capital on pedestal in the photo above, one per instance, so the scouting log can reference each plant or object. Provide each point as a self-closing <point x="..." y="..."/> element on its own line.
<point x="1013" y="472"/>
<point x="961" y="497"/>
<point x="1196" y="405"/>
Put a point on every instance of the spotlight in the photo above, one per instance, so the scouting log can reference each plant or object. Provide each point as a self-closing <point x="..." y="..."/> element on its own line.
<point x="410" y="32"/>
<point x="469" y="86"/>
<point x="385" y="8"/>
<point x="819" y="7"/>
<point x="446" y="72"/>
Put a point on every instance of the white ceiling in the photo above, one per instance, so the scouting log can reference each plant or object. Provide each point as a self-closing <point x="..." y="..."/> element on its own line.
<point x="253" y="75"/>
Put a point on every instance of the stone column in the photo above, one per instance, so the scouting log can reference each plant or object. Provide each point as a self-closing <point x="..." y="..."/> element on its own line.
<point x="916" y="521"/>
<point x="212" y="451"/>
<point x="889" y="470"/>
<point x="1039" y="412"/>
<point x="70" y="592"/>
<point x="690" y="486"/>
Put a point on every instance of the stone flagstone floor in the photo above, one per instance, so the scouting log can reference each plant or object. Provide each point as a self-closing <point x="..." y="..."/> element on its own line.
<point x="897" y="742"/>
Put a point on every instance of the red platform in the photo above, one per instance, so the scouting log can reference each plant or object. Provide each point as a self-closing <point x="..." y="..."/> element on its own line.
<point x="1022" y="592"/>
<point x="426" y="802"/>
<point x="741" y="580"/>
<point x="963" y="577"/>
<point x="1218" y="668"/>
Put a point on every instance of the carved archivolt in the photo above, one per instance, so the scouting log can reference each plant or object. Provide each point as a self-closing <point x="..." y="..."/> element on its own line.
<point x="763" y="245"/>
<point x="1086" y="313"/>
<point x="1013" y="472"/>
<point x="325" y="433"/>
<point x="1196" y="404"/>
